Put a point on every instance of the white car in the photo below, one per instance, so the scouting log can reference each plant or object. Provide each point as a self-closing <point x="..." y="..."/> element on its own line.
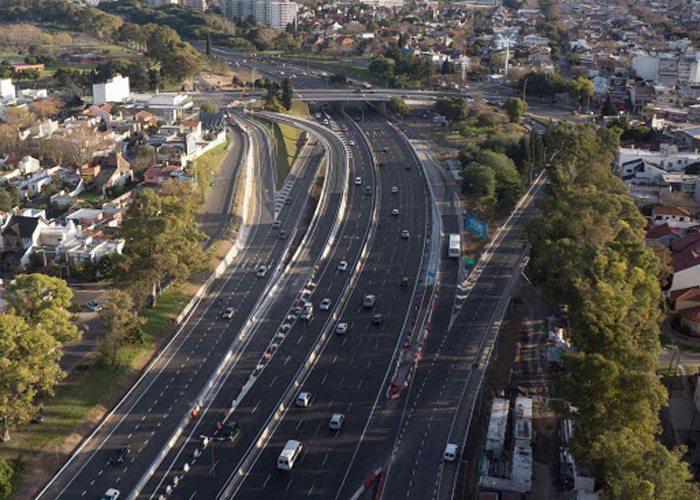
<point x="93" y="306"/>
<point x="111" y="494"/>
<point x="304" y="399"/>
<point x="325" y="304"/>
<point x="352" y="143"/>
<point x="261" y="272"/>
<point x="342" y="266"/>
<point x="336" y="421"/>
<point x="395" y="212"/>
<point x="405" y="234"/>
<point x="358" y="181"/>
<point x="394" y="190"/>
<point x="341" y="328"/>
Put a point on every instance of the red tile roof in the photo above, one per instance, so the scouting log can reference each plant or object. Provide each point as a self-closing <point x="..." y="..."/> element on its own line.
<point x="685" y="252"/>
<point x="675" y="211"/>
<point x="691" y="314"/>
<point x="656" y="231"/>
<point x="691" y="294"/>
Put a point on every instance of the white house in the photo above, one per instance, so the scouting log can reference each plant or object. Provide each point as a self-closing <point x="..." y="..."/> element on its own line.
<point x="114" y="90"/>
<point x="7" y="90"/>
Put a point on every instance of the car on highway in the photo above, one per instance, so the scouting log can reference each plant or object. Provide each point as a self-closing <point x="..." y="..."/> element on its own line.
<point x="118" y="455"/>
<point x="303" y="399"/>
<point x="228" y="313"/>
<point x="357" y="91"/>
<point x="405" y="234"/>
<point x="111" y="494"/>
<point x="307" y="312"/>
<point x="405" y="282"/>
<point x="408" y="166"/>
<point x="230" y="431"/>
<point x="395" y="212"/>
<point x="450" y="454"/>
<point x="377" y="319"/>
<point x="341" y="328"/>
<point x="336" y="421"/>
<point x="277" y="224"/>
<point x="342" y="266"/>
<point x="93" y="306"/>
<point x="289" y="455"/>
<point x="344" y="128"/>
<point x="369" y="301"/>
<point x="352" y="143"/>
<point x="394" y="190"/>
<point x="325" y="304"/>
<point x="358" y="181"/>
<point x="325" y="121"/>
<point x="282" y="235"/>
<point x="368" y="189"/>
<point x="288" y="201"/>
<point x="261" y="272"/>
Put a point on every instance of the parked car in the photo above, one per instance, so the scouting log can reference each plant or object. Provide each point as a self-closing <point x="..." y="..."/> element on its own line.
<point x="93" y="306"/>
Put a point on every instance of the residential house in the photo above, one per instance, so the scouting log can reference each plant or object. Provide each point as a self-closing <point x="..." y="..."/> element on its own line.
<point x="19" y="237"/>
<point x="663" y="215"/>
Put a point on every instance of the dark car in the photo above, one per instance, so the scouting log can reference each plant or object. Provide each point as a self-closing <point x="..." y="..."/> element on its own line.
<point x="230" y="431"/>
<point x="377" y="319"/>
<point x="119" y="454"/>
<point x="405" y="282"/>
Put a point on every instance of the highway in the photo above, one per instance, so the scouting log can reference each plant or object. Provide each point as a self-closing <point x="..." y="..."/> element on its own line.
<point x="259" y="384"/>
<point x="354" y="369"/>
<point x="155" y="407"/>
<point x="437" y="407"/>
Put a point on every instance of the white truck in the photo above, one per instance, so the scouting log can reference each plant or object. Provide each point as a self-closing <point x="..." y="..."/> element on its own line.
<point x="289" y="455"/>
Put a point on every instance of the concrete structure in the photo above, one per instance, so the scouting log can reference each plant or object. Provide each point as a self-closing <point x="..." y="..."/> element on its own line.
<point x="282" y="14"/>
<point x="196" y="4"/>
<point x="277" y="14"/>
<point x="114" y="90"/>
<point x="7" y="90"/>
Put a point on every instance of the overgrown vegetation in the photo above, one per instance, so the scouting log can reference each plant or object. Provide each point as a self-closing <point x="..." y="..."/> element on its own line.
<point x="589" y="252"/>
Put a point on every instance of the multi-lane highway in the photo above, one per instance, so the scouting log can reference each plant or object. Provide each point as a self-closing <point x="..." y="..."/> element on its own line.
<point x="179" y="377"/>
<point x="260" y="383"/>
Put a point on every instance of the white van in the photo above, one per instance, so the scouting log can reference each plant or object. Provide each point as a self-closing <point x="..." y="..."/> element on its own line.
<point x="289" y="455"/>
<point x="450" y="454"/>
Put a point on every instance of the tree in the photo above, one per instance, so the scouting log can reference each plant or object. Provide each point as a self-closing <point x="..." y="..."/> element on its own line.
<point x="30" y="369"/>
<point x="162" y="239"/>
<point x="455" y="109"/>
<point x="119" y="319"/>
<point x="46" y="108"/>
<point x="272" y="103"/>
<point x="208" y="107"/>
<point x="399" y="108"/>
<point x="6" y="479"/>
<point x="7" y="202"/>
<point x="608" y="108"/>
<point x="515" y="108"/>
<point x="479" y="180"/>
<point x="43" y="300"/>
<point x="582" y="89"/>
<point x="287" y="93"/>
<point x="116" y="110"/>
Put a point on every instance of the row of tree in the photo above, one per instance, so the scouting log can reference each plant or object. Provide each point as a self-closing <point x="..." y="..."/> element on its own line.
<point x="589" y="252"/>
<point x="543" y="83"/>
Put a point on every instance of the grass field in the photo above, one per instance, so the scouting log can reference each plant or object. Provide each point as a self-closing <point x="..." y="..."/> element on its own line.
<point x="286" y="138"/>
<point x="208" y="164"/>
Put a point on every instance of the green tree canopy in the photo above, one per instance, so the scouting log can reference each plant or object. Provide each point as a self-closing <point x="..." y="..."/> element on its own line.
<point x="515" y="108"/>
<point x="43" y="300"/>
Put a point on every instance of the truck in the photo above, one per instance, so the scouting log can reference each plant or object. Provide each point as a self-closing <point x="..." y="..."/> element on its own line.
<point x="289" y="455"/>
<point x="455" y="249"/>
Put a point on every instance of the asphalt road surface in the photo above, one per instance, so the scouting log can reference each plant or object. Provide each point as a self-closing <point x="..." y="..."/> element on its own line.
<point x="258" y="397"/>
<point x="353" y="370"/>
<point x="146" y="418"/>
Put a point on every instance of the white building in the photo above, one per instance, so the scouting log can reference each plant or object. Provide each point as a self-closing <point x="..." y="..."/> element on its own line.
<point x="115" y="90"/>
<point x="7" y="90"/>
<point x="282" y="14"/>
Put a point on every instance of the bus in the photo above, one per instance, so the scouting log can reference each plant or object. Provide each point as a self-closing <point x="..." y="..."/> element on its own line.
<point x="454" y="250"/>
